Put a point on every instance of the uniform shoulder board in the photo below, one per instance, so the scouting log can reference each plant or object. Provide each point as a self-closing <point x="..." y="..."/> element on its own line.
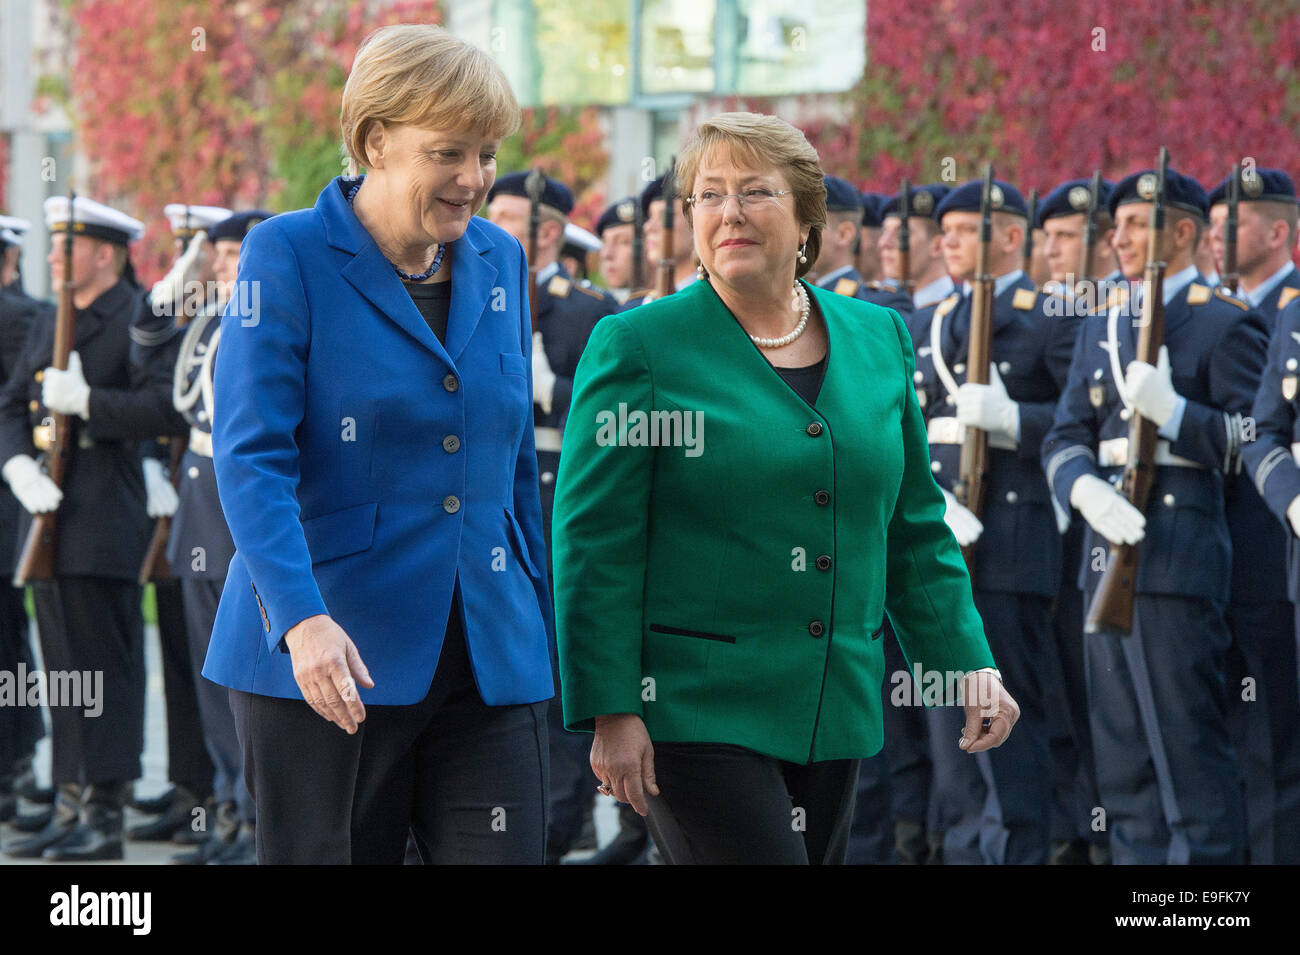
<point x="1198" y="294"/>
<point x="592" y="290"/>
<point x="1218" y="291"/>
<point x="1287" y="297"/>
<point x="1024" y="299"/>
<point x="946" y="305"/>
<point x="559" y="286"/>
<point x="846" y="287"/>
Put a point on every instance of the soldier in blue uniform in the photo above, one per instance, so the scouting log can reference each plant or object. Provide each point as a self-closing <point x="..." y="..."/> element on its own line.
<point x="868" y="254"/>
<point x="88" y="616"/>
<point x="20" y="726"/>
<point x="1062" y="215"/>
<point x="1166" y="769"/>
<point x="1265" y="723"/>
<point x="615" y="228"/>
<point x="685" y="263"/>
<point x="840" y="239"/>
<point x="567" y="312"/>
<point x="199" y="549"/>
<point x="929" y="274"/>
<point x="995" y="809"/>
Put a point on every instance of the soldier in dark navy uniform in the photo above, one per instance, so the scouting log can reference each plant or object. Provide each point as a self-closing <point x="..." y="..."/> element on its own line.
<point x="685" y="262"/>
<point x="1062" y="216"/>
<point x="929" y="274"/>
<point x="834" y="268"/>
<point x="995" y="809"/>
<point x="20" y="726"/>
<point x="567" y="312"/>
<point x="615" y="228"/>
<point x="1261" y="616"/>
<point x="88" y="616"/>
<point x="199" y="549"/>
<point x="1166" y="769"/>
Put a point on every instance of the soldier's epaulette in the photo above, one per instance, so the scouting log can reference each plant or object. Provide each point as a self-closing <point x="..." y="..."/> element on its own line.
<point x="593" y="291"/>
<point x="1025" y="298"/>
<point x="559" y="286"/>
<point x="1220" y="293"/>
<point x="1287" y="297"/>
<point x="846" y="286"/>
<point x="1198" y="294"/>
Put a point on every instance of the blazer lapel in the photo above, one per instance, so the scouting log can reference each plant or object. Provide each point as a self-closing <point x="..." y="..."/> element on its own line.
<point x="471" y="289"/>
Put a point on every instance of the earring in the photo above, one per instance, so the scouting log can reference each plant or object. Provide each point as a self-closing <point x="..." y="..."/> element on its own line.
<point x="802" y="257"/>
<point x="699" y="269"/>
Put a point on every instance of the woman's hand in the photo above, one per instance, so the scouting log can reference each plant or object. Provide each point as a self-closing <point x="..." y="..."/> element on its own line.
<point x="325" y="663"/>
<point x="986" y="699"/>
<point x="623" y="759"/>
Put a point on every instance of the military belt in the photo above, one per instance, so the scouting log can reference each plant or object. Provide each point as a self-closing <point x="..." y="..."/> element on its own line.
<point x="1113" y="453"/>
<point x="548" y="439"/>
<point x="201" y="442"/>
<point x="950" y="431"/>
<point x="42" y="435"/>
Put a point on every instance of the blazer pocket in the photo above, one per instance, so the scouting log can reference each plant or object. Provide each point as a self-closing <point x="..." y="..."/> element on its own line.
<point x="512" y="364"/>
<point x="521" y="547"/>
<point x="340" y="533"/>
<point x="680" y="632"/>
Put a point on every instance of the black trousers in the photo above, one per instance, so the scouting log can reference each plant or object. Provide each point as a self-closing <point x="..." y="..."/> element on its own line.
<point x="466" y="780"/>
<point x="726" y="805"/>
<point x="93" y="624"/>
<point x="20" y="726"/>
<point x="187" y="759"/>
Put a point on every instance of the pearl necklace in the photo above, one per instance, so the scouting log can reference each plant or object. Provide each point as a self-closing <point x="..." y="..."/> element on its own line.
<point x="802" y="295"/>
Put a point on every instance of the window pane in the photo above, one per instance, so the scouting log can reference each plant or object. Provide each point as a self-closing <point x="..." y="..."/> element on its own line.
<point x="584" y="51"/>
<point x="799" y="46"/>
<point x="677" y="46"/>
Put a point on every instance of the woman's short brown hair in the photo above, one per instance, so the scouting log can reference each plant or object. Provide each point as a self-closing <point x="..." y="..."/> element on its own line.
<point x="422" y="75"/>
<point x="757" y="140"/>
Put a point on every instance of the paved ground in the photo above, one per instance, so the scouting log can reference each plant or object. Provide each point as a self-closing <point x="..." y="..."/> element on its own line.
<point x="155" y="772"/>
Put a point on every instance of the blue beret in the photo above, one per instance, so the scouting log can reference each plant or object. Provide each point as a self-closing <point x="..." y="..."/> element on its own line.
<point x="840" y="196"/>
<point x="238" y="225"/>
<point x="1181" y="192"/>
<point x="651" y="192"/>
<point x="872" y="203"/>
<point x="966" y="198"/>
<point x="1071" y="198"/>
<point x="1266" y="185"/>
<point x="622" y="212"/>
<point x="923" y="200"/>
<point x="554" y="193"/>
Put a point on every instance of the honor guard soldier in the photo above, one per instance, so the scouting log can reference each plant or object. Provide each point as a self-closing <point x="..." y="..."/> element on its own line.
<point x="868" y="254"/>
<point x="840" y="239"/>
<point x="567" y="311"/>
<point x="1166" y="769"/>
<point x="580" y="246"/>
<point x="199" y="549"/>
<point x="995" y="809"/>
<point x="1265" y="724"/>
<point x="927" y="271"/>
<point x="684" y="262"/>
<point x="616" y="227"/>
<point x="1062" y="217"/>
<point x="88" y="615"/>
<point x="155" y="336"/>
<point x="20" y="726"/>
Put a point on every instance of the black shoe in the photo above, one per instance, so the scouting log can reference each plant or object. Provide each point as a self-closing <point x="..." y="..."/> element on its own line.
<point x="1070" y="853"/>
<point x="25" y="784"/>
<point x="32" y="821"/>
<point x="8" y="806"/>
<point x="175" y="821"/>
<point x="1098" y="855"/>
<point x="243" y="851"/>
<point x="155" y="806"/>
<point x="98" y="835"/>
<point x="910" y="842"/>
<point x="61" y="823"/>
<point x="223" y="836"/>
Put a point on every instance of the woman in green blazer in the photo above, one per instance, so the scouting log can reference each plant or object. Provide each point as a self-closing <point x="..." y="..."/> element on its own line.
<point x="745" y="493"/>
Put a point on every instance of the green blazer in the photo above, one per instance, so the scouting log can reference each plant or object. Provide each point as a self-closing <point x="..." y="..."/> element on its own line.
<point x="725" y="553"/>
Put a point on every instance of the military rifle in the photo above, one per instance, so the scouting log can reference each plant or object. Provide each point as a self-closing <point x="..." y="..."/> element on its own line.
<point x="970" y="486"/>
<point x="1027" y="257"/>
<point x="638" y="246"/>
<point x="905" y="238"/>
<point x="534" y="184"/>
<point x="1231" y="275"/>
<point x="665" y="282"/>
<point x="1088" y="256"/>
<point x="1112" y="605"/>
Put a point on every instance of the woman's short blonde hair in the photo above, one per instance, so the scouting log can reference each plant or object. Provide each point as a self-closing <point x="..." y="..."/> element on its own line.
<point x="422" y="75"/>
<point x="757" y="140"/>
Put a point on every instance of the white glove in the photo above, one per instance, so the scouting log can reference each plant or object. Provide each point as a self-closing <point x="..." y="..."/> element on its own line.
<point x="543" y="377"/>
<point x="1293" y="515"/>
<point x="171" y="289"/>
<point x="1062" y="516"/>
<point x="160" y="496"/>
<point x="66" y="391"/>
<point x="988" y="407"/>
<point x="33" y="488"/>
<point x="1107" y="511"/>
<point x="1151" y="390"/>
<point x="965" y="526"/>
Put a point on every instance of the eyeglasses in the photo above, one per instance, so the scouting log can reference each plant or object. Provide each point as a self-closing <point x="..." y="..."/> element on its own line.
<point x="713" y="201"/>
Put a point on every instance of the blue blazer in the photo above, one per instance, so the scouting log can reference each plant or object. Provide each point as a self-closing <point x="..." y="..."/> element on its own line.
<point x="365" y="469"/>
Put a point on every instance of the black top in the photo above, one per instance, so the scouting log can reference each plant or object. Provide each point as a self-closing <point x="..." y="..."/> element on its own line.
<point x="434" y="304"/>
<point x="806" y="381"/>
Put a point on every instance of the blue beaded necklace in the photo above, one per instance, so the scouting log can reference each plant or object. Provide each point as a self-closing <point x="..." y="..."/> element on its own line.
<point x="351" y="185"/>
